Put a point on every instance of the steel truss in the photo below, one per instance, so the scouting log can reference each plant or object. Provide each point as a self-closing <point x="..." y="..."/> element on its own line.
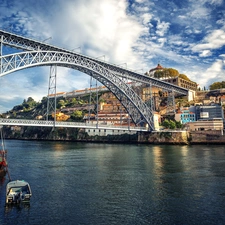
<point x="129" y="99"/>
<point x="40" y="54"/>
<point x="93" y="99"/>
<point x="51" y="103"/>
<point x="26" y="44"/>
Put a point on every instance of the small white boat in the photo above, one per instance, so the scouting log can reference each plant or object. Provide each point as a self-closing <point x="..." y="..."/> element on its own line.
<point x="18" y="191"/>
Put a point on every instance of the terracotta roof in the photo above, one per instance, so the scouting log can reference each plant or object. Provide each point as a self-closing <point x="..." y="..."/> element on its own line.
<point x="158" y="67"/>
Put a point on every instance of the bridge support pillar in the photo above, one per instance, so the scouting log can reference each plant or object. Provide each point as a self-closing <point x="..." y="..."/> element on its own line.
<point x="93" y="100"/>
<point x="1" y="53"/>
<point x="51" y="102"/>
<point x="171" y="102"/>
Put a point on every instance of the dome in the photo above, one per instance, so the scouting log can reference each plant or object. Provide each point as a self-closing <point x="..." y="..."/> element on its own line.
<point x="158" y="67"/>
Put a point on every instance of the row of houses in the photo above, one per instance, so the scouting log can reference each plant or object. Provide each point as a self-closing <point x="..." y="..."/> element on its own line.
<point x="204" y="116"/>
<point x="199" y="117"/>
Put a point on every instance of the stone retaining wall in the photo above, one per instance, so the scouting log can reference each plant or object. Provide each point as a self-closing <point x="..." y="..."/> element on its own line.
<point x="164" y="137"/>
<point x="207" y="137"/>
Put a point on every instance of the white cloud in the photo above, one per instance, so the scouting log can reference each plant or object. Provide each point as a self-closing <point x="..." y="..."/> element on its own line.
<point x="139" y="35"/>
<point x="215" y="68"/>
<point x="146" y="18"/>
<point x="205" y="53"/>
<point x="162" y="27"/>
<point x="212" y="74"/>
<point x="215" y="40"/>
<point x="99" y="28"/>
<point x="140" y="1"/>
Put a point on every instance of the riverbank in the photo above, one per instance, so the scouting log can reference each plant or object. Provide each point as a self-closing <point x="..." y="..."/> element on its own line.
<point x="79" y="135"/>
<point x="183" y="137"/>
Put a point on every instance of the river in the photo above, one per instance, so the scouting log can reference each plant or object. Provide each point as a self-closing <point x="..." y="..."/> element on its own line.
<point x="101" y="184"/>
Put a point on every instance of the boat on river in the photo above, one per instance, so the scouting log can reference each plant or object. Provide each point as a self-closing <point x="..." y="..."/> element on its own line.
<point x="3" y="165"/>
<point x="3" y="162"/>
<point x="18" y="191"/>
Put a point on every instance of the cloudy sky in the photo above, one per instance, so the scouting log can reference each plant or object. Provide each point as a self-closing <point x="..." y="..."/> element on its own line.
<point x="185" y="35"/>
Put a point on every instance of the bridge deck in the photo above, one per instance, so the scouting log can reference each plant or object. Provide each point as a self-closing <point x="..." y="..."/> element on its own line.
<point x="44" y="123"/>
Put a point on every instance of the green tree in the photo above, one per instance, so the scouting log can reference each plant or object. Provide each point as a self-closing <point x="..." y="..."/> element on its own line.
<point x="183" y="76"/>
<point x="178" y="124"/>
<point x="172" y="124"/>
<point x="77" y="115"/>
<point x="73" y="101"/>
<point x="172" y="72"/>
<point x="166" y="123"/>
<point x="61" y="103"/>
<point x="166" y="73"/>
<point x="217" y="85"/>
<point x="29" y="103"/>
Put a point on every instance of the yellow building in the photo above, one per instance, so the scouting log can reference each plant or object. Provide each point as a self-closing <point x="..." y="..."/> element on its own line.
<point x="60" y="116"/>
<point x="190" y="85"/>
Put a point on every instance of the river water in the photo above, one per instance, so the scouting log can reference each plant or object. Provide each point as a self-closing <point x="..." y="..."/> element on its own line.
<point x="86" y="183"/>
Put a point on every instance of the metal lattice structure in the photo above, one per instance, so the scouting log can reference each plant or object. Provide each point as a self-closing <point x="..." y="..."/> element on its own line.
<point x="51" y="103"/>
<point x="50" y="123"/>
<point x="37" y="53"/>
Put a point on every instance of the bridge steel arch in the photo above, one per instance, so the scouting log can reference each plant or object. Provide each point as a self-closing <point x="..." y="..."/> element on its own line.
<point x="136" y="108"/>
<point x="108" y="74"/>
<point x="27" y="44"/>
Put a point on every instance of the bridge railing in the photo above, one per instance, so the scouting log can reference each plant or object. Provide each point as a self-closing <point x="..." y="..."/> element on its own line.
<point x="45" y="123"/>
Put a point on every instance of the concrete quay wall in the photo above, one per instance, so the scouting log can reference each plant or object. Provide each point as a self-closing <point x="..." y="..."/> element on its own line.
<point x="164" y="137"/>
<point x="182" y="137"/>
<point x="207" y="137"/>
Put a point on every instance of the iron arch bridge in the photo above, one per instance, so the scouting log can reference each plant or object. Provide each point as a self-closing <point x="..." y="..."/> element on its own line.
<point x="40" y="54"/>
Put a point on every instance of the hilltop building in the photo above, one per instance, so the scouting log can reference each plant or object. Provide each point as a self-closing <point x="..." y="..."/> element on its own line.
<point x="190" y="85"/>
<point x="153" y="70"/>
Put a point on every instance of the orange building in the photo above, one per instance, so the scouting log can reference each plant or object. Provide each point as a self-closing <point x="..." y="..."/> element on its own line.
<point x="60" y="116"/>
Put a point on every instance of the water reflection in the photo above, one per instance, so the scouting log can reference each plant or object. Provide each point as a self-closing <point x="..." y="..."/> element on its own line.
<point x="22" y="212"/>
<point x="77" y="183"/>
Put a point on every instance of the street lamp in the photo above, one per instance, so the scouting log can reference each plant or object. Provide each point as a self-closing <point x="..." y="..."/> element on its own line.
<point x="43" y="42"/>
<point x="47" y="39"/>
<point x="76" y="48"/>
<point x="138" y="70"/>
<point x="123" y="64"/>
<point x="101" y="56"/>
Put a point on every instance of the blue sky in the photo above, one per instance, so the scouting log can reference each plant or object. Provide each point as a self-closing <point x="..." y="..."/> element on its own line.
<point x="186" y="35"/>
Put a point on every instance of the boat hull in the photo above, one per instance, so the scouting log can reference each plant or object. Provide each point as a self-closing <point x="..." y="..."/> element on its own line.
<point x="18" y="192"/>
<point x="2" y="173"/>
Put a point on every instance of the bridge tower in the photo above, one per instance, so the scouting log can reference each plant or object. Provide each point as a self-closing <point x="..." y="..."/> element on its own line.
<point x="171" y="108"/>
<point x="51" y="99"/>
<point x="93" y="99"/>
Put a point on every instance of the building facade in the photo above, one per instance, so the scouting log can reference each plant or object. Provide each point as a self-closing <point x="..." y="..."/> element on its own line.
<point x="209" y="112"/>
<point x="214" y="124"/>
<point x="190" y="85"/>
<point x="185" y="115"/>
